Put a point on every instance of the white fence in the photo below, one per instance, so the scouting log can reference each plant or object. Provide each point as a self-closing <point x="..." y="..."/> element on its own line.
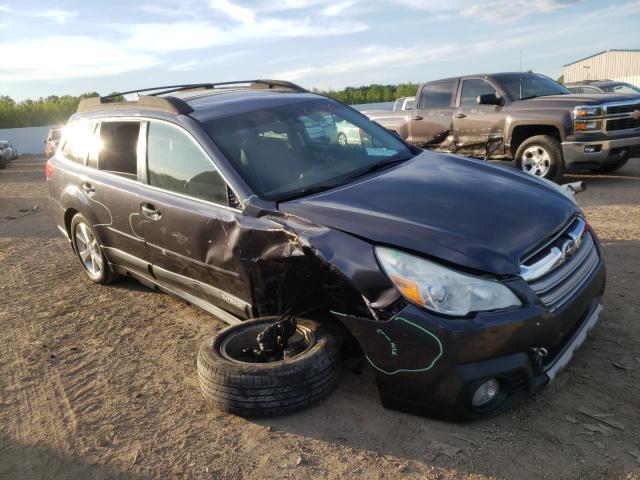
<point x="26" y="140"/>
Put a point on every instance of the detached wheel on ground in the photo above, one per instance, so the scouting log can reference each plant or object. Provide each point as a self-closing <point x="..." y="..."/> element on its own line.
<point x="233" y="380"/>
<point x="541" y="156"/>
<point x="611" y="167"/>
<point x="87" y="248"/>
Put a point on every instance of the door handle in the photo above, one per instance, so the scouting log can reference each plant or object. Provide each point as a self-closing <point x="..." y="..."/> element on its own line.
<point x="460" y="115"/>
<point x="416" y="117"/>
<point x="150" y="211"/>
<point x="88" y="188"/>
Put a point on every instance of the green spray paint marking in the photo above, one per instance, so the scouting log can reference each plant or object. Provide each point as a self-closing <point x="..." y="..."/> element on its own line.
<point x="408" y="370"/>
<point x="412" y="370"/>
<point x="394" y="348"/>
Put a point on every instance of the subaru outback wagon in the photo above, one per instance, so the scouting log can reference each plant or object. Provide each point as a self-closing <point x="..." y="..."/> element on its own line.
<point x="466" y="285"/>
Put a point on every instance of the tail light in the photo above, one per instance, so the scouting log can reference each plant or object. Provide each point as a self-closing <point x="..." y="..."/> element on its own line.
<point x="48" y="170"/>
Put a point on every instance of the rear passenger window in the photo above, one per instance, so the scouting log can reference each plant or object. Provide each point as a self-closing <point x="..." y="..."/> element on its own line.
<point x="176" y="163"/>
<point x="118" y="148"/>
<point x="78" y="140"/>
<point x="437" y="95"/>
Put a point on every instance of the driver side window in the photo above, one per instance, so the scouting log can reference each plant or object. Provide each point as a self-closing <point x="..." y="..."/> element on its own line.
<point x="176" y="163"/>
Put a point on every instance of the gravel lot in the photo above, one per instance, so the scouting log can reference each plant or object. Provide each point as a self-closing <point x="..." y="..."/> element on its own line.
<point x="100" y="382"/>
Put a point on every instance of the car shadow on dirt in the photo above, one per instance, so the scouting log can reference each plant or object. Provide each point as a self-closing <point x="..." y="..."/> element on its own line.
<point x="19" y="460"/>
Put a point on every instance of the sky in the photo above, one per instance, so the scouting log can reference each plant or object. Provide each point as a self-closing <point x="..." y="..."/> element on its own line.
<point x="58" y="47"/>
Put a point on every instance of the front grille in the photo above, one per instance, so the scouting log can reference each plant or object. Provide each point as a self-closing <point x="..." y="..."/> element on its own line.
<point x="615" y="109"/>
<point x="622" y="123"/>
<point x="559" y="285"/>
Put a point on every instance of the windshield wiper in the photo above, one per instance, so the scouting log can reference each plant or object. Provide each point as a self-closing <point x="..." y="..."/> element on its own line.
<point x="374" y="167"/>
<point x="321" y="187"/>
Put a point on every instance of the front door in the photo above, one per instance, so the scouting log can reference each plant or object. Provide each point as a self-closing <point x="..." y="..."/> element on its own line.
<point x="192" y="234"/>
<point x="432" y="121"/>
<point x="474" y="124"/>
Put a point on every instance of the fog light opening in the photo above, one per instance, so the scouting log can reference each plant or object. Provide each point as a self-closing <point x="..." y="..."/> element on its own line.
<point x="592" y="148"/>
<point x="485" y="393"/>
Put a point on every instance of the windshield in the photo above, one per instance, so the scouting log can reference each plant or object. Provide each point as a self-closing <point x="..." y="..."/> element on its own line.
<point x="620" y="88"/>
<point x="296" y="149"/>
<point x="521" y="86"/>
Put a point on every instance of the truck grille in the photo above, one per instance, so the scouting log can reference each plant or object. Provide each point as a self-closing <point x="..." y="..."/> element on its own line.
<point x="622" y="115"/>
<point x="558" y="270"/>
<point x="628" y="108"/>
<point x="622" y="123"/>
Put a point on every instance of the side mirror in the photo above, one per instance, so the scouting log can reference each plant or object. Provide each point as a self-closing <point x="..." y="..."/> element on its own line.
<point x="490" y="99"/>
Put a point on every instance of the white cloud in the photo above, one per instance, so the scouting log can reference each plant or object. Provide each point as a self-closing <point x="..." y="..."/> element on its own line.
<point x="171" y="37"/>
<point x="55" y="14"/>
<point x="236" y="12"/>
<point x="83" y="57"/>
<point x="336" y="9"/>
<point x="375" y="57"/>
<point x="497" y="11"/>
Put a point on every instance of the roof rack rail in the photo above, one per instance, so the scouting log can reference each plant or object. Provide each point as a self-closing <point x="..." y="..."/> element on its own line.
<point x="165" y="104"/>
<point x="154" y="101"/>
<point x="268" y="84"/>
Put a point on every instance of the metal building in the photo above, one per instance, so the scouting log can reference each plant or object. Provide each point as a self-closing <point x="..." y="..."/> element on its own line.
<point x="621" y="65"/>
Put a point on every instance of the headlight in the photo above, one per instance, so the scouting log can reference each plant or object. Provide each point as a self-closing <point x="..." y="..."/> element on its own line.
<point x="588" y="125"/>
<point x="441" y="289"/>
<point x="588" y="111"/>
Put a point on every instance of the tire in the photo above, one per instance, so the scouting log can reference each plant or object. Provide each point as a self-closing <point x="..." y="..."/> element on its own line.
<point x="79" y="228"/>
<point x="541" y="156"/>
<point x="612" y="167"/>
<point x="267" y="389"/>
<point x="342" y="139"/>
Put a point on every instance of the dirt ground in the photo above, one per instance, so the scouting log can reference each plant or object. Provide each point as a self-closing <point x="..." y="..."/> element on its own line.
<point x="100" y="382"/>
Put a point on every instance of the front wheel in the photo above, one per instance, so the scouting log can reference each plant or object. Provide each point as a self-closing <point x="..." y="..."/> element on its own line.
<point x="541" y="156"/>
<point x="234" y="381"/>
<point x="342" y="138"/>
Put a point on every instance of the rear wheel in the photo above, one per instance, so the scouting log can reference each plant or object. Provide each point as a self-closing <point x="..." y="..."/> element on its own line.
<point x="87" y="249"/>
<point x="233" y="380"/>
<point x="541" y="156"/>
<point x="611" y="167"/>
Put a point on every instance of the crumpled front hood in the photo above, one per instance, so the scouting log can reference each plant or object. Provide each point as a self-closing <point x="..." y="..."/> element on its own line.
<point x="459" y="210"/>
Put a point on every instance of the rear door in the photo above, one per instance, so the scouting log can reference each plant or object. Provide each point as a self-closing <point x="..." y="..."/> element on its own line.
<point x="432" y="120"/>
<point x="190" y="230"/>
<point x="474" y="124"/>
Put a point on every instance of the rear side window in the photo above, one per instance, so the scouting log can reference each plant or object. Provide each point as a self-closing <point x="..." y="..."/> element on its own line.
<point x="472" y="88"/>
<point x="437" y="95"/>
<point x="176" y="163"/>
<point x="118" y="148"/>
<point x="78" y="140"/>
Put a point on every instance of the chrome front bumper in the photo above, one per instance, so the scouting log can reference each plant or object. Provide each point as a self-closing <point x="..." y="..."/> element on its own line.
<point x="608" y="151"/>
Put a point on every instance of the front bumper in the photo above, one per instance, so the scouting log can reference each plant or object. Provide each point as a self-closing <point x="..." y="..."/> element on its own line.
<point x="428" y="365"/>
<point x="584" y="155"/>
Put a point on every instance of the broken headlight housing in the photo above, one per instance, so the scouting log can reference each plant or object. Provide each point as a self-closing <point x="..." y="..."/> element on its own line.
<point x="441" y="289"/>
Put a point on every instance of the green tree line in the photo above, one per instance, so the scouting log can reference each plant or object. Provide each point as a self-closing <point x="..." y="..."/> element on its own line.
<point x="371" y="93"/>
<point x="55" y="110"/>
<point x="52" y="110"/>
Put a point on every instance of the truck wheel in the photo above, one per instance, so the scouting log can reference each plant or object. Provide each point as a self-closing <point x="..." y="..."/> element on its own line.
<point x="87" y="248"/>
<point x="612" y="167"/>
<point x="541" y="156"/>
<point x="235" y="382"/>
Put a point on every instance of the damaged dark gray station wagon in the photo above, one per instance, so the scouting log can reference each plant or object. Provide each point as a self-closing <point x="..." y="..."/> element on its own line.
<point x="465" y="285"/>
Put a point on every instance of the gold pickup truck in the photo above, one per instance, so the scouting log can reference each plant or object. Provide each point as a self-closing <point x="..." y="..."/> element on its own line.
<point x="527" y="118"/>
